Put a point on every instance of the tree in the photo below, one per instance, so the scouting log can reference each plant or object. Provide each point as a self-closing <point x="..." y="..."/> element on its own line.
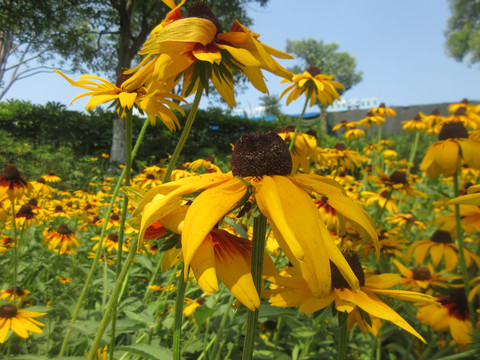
<point x="96" y="35"/>
<point x="463" y="31"/>
<point x="272" y="105"/>
<point x="330" y="61"/>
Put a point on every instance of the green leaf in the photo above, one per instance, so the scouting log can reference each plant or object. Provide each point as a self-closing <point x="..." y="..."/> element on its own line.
<point x="147" y="351"/>
<point x="202" y="313"/>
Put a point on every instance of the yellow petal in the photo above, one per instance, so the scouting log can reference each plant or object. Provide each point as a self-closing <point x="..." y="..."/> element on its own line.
<point x="207" y="210"/>
<point x="203" y="266"/>
<point x="374" y="306"/>
<point x="127" y="99"/>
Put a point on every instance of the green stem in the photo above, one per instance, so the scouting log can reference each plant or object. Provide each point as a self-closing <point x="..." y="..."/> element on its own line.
<point x="342" y="339"/>
<point x="177" y="328"/>
<point x="413" y="152"/>
<point x="15" y="252"/>
<point x="276" y="336"/>
<point x="99" y="250"/>
<point x="123" y="218"/>
<point x="219" y="331"/>
<point x="382" y="209"/>
<point x="185" y="132"/>
<point x="297" y="125"/>
<point x="258" y="250"/>
<point x="461" y="252"/>
<point x="119" y="284"/>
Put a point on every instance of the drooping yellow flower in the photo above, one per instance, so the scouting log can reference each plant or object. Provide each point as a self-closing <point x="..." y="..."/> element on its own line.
<point x="261" y="165"/>
<point x="416" y="124"/>
<point x="371" y="118"/>
<point x="354" y="133"/>
<point x="61" y="240"/>
<point x="315" y="86"/>
<point x="125" y="96"/>
<point x="433" y="122"/>
<point x="384" y="111"/>
<point x="52" y="177"/>
<point x="454" y="146"/>
<point x="13" y="184"/>
<point x="197" y="48"/>
<point x="449" y="314"/>
<point x="20" y="321"/>
<point x="304" y="149"/>
<point x="293" y="291"/>
<point x="472" y="198"/>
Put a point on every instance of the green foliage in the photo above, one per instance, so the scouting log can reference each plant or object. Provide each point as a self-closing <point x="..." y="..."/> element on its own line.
<point x="328" y="59"/>
<point x="463" y="31"/>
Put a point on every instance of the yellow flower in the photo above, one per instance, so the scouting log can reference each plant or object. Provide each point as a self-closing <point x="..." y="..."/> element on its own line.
<point x="64" y="280"/>
<point x="354" y="133"/>
<point x="13" y="184"/>
<point x="383" y="198"/>
<point x="433" y="122"/>
<point x="315" y="86"/>
<point x="472" y="198"/>
<point x="449" y="314"/>
<point x="154" y="103"/>
<point x="293" y="291"/>
<point x="422" y="278"/>
<point x="63" y="239"/>
<point x="51" y="177"/>
<point x="344" y="124"/>
<point x="8" y="294"/>
<point x="370" y="119"/>
<point x="445" y="156"/>
<point x="440" y="246"/>
<point x="197" y="48"/>
<point x="19" y="321"/>
<point x="261" y="164"/>
<point x="383" y="111"/>
<point x="304" y="149"/>
<point x="416" y="124"/>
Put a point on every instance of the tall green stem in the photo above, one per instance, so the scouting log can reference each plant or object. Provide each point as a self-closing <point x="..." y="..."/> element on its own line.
<point x="177" y="326"/>
<point x="185" y="132"/>
<point x="99" y="250"/>
<point x="113" y="300"/>
<point x="342" y="339"/>
<point x="297" y="125"/>
<point x="258" y="250"/>
<point x="413" y="152"/>
<point x="461" y="253"/>
<point x="15" y="252"/>
<point x="128" y="167"/>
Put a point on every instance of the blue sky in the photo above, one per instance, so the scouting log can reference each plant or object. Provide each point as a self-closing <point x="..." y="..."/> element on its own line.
<point x="399" y="46"/>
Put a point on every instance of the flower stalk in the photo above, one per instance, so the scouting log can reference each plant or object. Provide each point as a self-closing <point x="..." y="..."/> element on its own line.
<point x="96" y="260"/>
<point x="461" y="252"/>
<point x="177" y="327"/>
<point x="259" y="238"/>
<point x="299" y="122"/>
<point x="185" y="132"/>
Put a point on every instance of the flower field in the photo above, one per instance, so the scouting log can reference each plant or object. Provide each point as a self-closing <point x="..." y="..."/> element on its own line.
<point x="296" y="250"/>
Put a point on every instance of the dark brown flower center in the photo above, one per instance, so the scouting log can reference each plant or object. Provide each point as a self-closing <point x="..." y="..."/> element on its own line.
<point x="441" y="237"/>
<point x="313" y="70"/>
<point x="115" y="217"/>
<point x="8" y="311"/>
<point x="435" y="112"/>
<point x="338" y="281"/>
<point x="457" y="304"/>
<point x="370" y="113"/>
<point x="453" y="130"/>
<point x="41" y="180"/>
<point x="312" y="132"/>
<point x="11" y="173"/>
<point x="421" y="273"/>
<point x="340" y="146"/>
<point x="26" y="212"/>
<point x="382" y="105"/>
<point x="59" y="208"/>
<point x="200" y="9"/>
<point x="398" y="177"/>
<point x="384" y="194"/>
<point x="122" y="77"/>
<point x="461" y="111"/>
<point x="33" y="202"/>
<point x="113" y="237"/>
<point x="417" y="117"/>
<point x="150" y="176"/>
<point x="259" y="154"/>
<point x="64" y="230"/>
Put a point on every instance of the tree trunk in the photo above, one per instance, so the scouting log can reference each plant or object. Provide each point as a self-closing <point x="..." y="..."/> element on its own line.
<point x="322" y="126"/>
<point x="117" y="151"/>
